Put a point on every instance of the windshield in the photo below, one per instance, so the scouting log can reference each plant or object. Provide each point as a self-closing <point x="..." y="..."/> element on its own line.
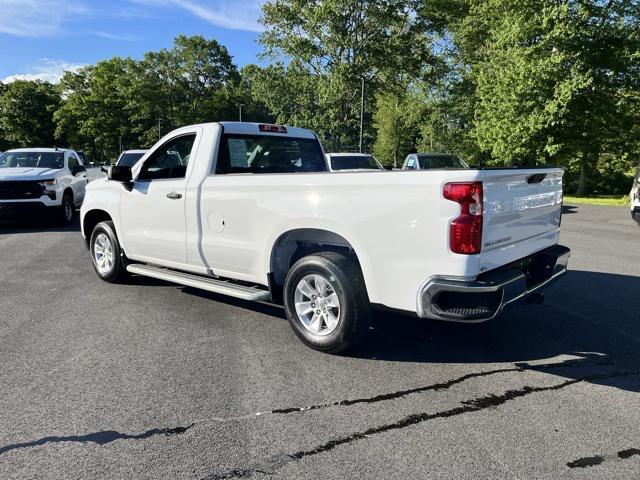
<point x="53" y="160"/>
<point x="355" y="162"/>
<point x="129" y="159"/>
<point x="440" y="161"/>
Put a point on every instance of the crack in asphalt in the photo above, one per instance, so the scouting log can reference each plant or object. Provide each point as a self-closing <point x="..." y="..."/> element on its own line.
<point x="108" y="436"/>
<point x="519" y="367"/>
<point x="270" y="465"/>
<point x="101" y="438"/>
<point x="585" y="462"/>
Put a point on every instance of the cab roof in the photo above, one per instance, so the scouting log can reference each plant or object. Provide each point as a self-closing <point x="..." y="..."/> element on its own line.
<point x="40" y="149"/>
<point x="140" y="150"/>
<point x="249" y="128"/>
<point x="347" y="154"/>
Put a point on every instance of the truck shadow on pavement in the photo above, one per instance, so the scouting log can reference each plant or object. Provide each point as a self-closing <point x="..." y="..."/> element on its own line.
<point x="37" y="225"/>
<point x="590" y="318"/>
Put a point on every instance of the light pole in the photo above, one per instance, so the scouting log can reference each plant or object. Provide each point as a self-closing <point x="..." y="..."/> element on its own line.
<point x="240" y="111"/>
<point x="361" y="113"/>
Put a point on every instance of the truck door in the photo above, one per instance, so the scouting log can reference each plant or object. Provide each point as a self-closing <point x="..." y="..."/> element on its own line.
<point x="153" y="212"/>
<point x="79" y="178"/>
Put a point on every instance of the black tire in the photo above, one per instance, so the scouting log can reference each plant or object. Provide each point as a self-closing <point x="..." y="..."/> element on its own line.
<point x="117" y="272"/>
<point x="346" y="280"/>
<point x="66" y="210"/>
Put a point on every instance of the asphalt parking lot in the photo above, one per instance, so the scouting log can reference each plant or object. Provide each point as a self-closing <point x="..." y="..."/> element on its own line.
<point x="151" y="380"/>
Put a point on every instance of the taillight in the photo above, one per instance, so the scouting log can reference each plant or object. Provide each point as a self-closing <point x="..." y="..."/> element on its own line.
<point x="465" y="232"/>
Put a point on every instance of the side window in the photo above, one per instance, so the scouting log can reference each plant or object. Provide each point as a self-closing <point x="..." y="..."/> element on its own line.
<point x="75" y="165"/>
<point x="411" y="163"/>
<point x="269" y="154"/>
<point x="170" y="160"/>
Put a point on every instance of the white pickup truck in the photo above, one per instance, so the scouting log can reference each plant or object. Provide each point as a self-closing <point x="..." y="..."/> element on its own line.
<point x="250" y="210"/>
<point x="41" y="180"/>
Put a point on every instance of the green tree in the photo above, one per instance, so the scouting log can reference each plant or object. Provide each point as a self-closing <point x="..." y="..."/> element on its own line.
<point x="126" y="103"/>
<point x="397" y="121"/>
<point x="549" y="78"/>
<point x="26" y="113"/>
<point x="96" y="115"/>
<point x="337" y="43"/>
<point x="183" y="85"/>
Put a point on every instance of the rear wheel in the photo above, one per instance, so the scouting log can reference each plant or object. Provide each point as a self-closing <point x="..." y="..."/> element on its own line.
<point x="108" y="259"/>
<point x="326" y="302"/>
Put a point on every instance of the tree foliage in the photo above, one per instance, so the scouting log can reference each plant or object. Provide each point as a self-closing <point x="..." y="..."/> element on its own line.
<point x="126" y="103"/>
<point x="26" y="110"/>
<point x="333" y="45"/>
<point x="550" y="81"/>
<point x="497" y="82"/>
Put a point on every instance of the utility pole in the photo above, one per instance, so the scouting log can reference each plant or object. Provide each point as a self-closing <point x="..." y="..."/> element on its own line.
<point x="361" y="113"/>
<point x="159" y="134"/>
<point x="240" y="111"/>
<point x="120" y="142"/>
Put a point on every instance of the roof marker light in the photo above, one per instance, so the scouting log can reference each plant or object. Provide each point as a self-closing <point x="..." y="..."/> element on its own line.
<point x="272" y="128"/>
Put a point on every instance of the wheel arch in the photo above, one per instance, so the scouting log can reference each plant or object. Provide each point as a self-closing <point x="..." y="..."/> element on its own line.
<point x="296" y="243"/>
<point x="91" y="219"/>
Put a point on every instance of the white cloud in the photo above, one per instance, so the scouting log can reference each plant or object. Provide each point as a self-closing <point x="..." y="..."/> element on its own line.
<point x="234" y="15"/>
<point x="37" y="18"/>
<point x="115" y="36"/>
<point x="48" y="70"/>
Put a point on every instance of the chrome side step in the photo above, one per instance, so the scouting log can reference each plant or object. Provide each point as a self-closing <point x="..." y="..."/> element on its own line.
<point x="216" y="285"/>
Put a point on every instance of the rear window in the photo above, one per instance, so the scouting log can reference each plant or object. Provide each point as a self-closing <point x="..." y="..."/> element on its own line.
<point x="356" y="162"/>
<point x="440" y="161"/>
<point x="53" y="160"/>
<point x="129" y="159"/>
<point x="269" y="154"/>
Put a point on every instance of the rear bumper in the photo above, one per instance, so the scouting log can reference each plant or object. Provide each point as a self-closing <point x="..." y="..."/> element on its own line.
<point x="482" y="299"/>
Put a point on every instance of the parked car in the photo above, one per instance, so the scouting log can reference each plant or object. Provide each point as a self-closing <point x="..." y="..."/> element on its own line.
<point x="41" y="180"/>
<point x="635" y="197"/>
<point x="128" y="158"/>
<point x="426" y="161"/>
<point x="348" y="162"/>
<point x="247" y="210"/>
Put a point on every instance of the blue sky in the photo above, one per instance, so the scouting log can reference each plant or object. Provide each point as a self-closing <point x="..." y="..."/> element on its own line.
<point x="42" y="38"/>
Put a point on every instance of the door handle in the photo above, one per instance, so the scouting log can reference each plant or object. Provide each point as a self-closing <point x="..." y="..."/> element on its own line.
<point x="174" y="195"/>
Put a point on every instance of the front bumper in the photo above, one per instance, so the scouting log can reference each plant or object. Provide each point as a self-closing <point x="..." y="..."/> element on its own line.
<point x="479" y="300"/>
<point x="21" y="209"/>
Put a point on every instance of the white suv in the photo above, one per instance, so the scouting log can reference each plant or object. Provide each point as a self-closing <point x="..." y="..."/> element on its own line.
<point x="41" y="180"/>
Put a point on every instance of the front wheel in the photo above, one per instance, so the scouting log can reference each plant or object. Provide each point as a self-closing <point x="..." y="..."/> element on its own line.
<point x="106" y="253"/>
<point x="66" y="210"/>
<point x="326" y="302"/>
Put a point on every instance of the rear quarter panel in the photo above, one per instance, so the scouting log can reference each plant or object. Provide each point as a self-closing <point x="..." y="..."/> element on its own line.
<point x="397" y="223"/>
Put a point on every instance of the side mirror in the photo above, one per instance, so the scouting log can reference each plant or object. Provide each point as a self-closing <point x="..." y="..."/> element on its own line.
<point x="122" y="174"/>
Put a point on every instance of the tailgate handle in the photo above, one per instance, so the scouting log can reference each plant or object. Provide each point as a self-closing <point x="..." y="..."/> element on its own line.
<point x="536" y="178"/>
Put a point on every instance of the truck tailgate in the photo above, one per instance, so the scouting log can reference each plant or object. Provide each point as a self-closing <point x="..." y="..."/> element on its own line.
<point x="522" y="210"/>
